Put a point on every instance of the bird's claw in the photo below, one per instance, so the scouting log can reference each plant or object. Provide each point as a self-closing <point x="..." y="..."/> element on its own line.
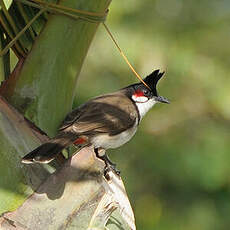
<point x="109" y="165"/>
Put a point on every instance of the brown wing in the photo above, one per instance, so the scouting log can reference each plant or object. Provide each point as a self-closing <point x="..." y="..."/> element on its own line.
<point x="100" y="116"/>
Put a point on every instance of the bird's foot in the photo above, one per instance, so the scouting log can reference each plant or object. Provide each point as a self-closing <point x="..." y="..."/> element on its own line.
<point x="109" y="165"/>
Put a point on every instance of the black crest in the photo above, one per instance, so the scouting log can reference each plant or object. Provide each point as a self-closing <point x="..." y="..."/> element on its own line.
<point x="152" y="79"/>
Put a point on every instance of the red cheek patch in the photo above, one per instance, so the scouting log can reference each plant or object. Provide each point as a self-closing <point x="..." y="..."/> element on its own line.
<point x="138" y="93"/>
<point x="80" y="141"/>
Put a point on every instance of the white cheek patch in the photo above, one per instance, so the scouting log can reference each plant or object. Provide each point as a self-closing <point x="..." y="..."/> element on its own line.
<point x="140" y="99"/>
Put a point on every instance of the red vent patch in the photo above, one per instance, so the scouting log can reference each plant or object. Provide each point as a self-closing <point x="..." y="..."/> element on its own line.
<point x="80" y="141"/>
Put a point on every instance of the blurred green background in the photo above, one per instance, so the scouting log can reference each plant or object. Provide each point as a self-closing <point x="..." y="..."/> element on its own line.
<point x="176" y="169"/>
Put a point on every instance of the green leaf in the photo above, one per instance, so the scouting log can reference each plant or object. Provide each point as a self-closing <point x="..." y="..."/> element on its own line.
<point x="4" y="60"/>
<point x="7" y="4"/>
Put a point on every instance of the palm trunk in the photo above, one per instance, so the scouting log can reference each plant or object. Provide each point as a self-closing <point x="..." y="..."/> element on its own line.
<point x="45" y="87"/>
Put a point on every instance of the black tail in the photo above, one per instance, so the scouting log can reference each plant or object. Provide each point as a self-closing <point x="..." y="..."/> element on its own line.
<point x="46" y="152"/>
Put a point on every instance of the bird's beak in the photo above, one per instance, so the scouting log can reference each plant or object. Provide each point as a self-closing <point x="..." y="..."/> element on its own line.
<point x="162" y="99"/>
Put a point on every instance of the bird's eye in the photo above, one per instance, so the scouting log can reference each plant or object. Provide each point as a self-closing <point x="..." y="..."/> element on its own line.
<point x="146" y="92"/>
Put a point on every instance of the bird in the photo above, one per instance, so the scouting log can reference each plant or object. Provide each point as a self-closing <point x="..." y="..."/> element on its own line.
<point x="105" y="122"/>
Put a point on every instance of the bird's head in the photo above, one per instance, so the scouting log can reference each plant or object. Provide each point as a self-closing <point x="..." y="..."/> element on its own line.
<point x="142" y="94"/>
<point x="145" y="98"/>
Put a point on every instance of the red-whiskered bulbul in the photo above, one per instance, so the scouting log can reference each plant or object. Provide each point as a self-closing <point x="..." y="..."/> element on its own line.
<point x="106" y="121"/>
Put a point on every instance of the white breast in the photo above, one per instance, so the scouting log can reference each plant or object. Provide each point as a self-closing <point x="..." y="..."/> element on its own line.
<point x="110" y="142"/>
<point x="145" y="107"/>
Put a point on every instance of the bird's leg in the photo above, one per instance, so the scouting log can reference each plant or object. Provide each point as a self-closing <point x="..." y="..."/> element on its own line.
<point x="109" y="165"/>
